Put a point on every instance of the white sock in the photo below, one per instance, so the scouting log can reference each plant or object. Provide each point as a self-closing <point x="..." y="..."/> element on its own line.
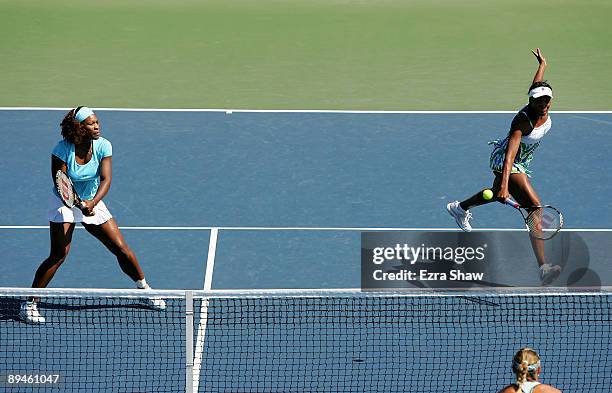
<point x="142" y="284"/>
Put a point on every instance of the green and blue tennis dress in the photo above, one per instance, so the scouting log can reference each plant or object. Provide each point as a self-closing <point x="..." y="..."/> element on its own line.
<point x="529" y="144"/>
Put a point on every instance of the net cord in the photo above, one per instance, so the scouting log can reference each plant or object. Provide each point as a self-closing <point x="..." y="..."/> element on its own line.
<point x="343" y="292"/>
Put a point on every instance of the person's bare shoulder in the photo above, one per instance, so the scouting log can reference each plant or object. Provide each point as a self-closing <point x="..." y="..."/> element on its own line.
<point x="508" y="389"/>
<point x="546" y="389"/>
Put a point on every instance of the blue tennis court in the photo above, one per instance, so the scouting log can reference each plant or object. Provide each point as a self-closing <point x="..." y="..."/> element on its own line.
<point x="261" y="200"/>
<point x="264" y="170"/>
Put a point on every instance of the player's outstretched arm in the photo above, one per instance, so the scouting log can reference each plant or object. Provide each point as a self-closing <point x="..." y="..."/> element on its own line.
<point x="539" y="75"/>
<point x="511" y="150"/>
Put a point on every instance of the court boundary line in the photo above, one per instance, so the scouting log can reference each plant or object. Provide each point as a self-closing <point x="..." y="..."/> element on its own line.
<point x="210" y="259"/>
<point x="203" y="321"/>
<point x="346" y="229"/>
<point x="246" y="110"/>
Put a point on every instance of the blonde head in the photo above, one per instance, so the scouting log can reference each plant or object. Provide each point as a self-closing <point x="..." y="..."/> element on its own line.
<point x="526" y="363"/>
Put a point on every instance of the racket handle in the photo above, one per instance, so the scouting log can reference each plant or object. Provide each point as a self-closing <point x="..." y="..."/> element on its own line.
<point x="512" y="203"/>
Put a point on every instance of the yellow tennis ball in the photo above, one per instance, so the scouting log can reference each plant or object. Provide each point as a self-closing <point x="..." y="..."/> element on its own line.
<point x="487" y="194"/>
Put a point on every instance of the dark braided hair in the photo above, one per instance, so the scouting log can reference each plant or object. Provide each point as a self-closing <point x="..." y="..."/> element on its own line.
<point x="539" y="84"/>
<point x="70" y="128"/>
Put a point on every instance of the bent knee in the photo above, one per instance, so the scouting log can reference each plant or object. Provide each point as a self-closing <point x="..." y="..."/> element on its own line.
<point x="59" y="254"/>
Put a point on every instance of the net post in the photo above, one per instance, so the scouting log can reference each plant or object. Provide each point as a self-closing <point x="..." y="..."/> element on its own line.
<point x="189" y="342"/>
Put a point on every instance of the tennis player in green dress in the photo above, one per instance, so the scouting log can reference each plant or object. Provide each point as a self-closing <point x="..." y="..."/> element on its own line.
<point x="510" y="160"/>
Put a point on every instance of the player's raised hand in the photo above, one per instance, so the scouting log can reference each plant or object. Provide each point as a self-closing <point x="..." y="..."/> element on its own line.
<point x="538" y="54"/>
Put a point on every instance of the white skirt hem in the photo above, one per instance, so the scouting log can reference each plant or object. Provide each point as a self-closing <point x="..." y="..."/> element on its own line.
<point x="59" y="213"/>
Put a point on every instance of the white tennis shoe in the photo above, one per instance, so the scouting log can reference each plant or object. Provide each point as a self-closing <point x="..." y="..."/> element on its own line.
<point x="462" y="217"/>
<point x="549" y="273"/>
<point x="155" y="302"/>
<point x="29" y="313"/>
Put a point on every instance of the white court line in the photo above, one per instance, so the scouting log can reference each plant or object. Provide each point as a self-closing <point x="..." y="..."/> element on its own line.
<point x="210" y="261"/>
<point x="593" y="120"/>
<point x="285" y="110"/>
<point x="347" y="229"/>
<point x="201" y="332"/>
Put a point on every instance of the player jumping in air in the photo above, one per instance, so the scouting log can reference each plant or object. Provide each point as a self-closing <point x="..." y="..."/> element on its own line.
<point x="510" y="161"/>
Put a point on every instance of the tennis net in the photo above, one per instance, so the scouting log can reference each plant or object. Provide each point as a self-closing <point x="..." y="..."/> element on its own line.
<point x="306" y="341"/>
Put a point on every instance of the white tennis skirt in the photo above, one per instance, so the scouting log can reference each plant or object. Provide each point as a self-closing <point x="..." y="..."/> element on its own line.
<point x="58" y="212"/>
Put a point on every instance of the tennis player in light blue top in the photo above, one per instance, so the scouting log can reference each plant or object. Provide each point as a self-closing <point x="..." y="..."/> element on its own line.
<point x="86" y="158"/>
<point x="86" y="177"/>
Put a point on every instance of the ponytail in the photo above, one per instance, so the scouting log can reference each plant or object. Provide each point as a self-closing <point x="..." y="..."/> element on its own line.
<point x="526" y="363"/>
<point x="521" y="375"/>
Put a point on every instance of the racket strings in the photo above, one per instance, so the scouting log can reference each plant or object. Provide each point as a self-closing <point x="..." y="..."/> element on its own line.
<point x="64" y="188"/>
<point x="544" y="222"/>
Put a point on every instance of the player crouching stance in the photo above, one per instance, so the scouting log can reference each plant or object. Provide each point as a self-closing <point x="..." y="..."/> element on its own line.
<point x="86" y="158"/>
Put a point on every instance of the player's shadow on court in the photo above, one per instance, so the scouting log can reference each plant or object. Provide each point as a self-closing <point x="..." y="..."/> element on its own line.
<point x="9" y="307"/>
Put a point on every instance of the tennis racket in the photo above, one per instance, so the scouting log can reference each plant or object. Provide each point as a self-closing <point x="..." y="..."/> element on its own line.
<point x="66" y="190"/>
<point x="542" y="222"/>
